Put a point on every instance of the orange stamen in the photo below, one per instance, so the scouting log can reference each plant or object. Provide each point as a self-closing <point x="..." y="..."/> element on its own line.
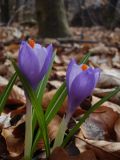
<point x="84" y="67"/>
<point x="31" y="43"/>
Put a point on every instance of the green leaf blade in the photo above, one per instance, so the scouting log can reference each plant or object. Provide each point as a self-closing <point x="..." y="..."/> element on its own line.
<point x="56" y="103"/>
<point x="6" y="92"/>
<point x="43" y="83"/>
<point x="38" y="109"/>
<point x="41" y="89"/>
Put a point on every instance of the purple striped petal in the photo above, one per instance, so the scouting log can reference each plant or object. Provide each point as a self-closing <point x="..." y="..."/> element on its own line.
<point x="81" y="87"/>
<point x="72" y="71"/>
<point x="34" y="62"/>
<point x="80" y="83"/>
<point x="47" y="63"/>
<point x="50" y="48"/>
<point x="97" y="75"/>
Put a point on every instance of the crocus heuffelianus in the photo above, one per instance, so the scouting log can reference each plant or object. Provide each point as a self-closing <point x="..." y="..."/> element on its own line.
<point x="34" y="61"/>
<point x="81" y="81"/>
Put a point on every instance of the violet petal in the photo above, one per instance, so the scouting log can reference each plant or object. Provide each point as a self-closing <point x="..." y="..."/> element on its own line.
<point x="81" y="87"/>
<point x="28" y="63"/>
<point x="46" y="64"/>
<point x="72" y="71"/>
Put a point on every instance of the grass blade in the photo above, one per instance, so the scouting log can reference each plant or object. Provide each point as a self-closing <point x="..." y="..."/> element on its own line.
<point x="41" y="89"/>
<point x="85" y="58"/>
<point x="37" y="108"/>
<point x="55" y="104"/>
<point x="6" y="92"/>
<point x="28" y="131"/>
<point x="42" y="86"/>
<point x="53" y="108"/>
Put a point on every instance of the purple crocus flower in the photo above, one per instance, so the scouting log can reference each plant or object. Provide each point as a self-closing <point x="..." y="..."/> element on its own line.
<point x="80" y="80"/>
<point x="34" y="61"/>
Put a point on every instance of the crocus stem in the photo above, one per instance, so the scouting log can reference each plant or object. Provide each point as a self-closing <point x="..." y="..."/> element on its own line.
<point x="60" y="134"/>
<point x="28" y="131"/>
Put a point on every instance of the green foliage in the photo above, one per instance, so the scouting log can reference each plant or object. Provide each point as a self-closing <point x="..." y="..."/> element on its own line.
<point x="52" y="110"/>
<point x="40" y="90"/>
<point x="37" y="108"/>
<point x="55" y="104"/>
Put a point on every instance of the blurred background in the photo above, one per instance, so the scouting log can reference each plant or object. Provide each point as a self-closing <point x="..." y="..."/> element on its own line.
<point x="54" y="17"/>
<point x="74" y="27"/>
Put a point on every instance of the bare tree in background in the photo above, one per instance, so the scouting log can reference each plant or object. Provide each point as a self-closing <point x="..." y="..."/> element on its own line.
<point x="4" y="5"/>
<point x="111" y="12"/>
<point x="52" y="18"/>
<point x="112" y="5"/>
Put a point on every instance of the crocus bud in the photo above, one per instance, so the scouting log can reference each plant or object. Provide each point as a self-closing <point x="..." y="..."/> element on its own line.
<point x="34" y="61"/>
<point x="80" y="80"/>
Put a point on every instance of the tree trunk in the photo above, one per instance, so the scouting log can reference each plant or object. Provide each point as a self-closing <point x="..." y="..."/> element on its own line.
<point x="117" y="14"/>
<point x="5" y="11"/>
<point x="52" y="18"/>
<point x="109" y="14"/>
<point x="112" y="6"/>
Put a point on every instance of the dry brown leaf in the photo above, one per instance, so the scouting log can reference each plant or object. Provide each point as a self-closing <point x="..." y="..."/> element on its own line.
<point x="98" y="92"/>
<point x="53" y="127"/>
<point x="87" y="155"/>
<point x="103" y="150"/>
<point x="105" y="145"/>
<point x="15" y="146"/>
<point x="100" y="124"/>
<point x="3" y="148"/>
<point x="59" y="154"/>
<point x="114" y="106"/>
<point x="14" y="137"/>
<point x="63" y="155"/>
<point x="16" y="96"/>
<point x="108" y="80"/>
<point x="60" y="73"/>
<point x="117" y="129"/>
<point x="102" y="49"/>
<point x="55" y="84"/>
<point x="5" y="120"/>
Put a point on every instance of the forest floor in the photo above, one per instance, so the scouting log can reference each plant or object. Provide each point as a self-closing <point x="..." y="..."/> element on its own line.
<point x="99" y="136"/>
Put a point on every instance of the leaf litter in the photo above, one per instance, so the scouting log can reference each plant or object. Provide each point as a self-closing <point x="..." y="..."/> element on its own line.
<point x="99" y="137"/>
